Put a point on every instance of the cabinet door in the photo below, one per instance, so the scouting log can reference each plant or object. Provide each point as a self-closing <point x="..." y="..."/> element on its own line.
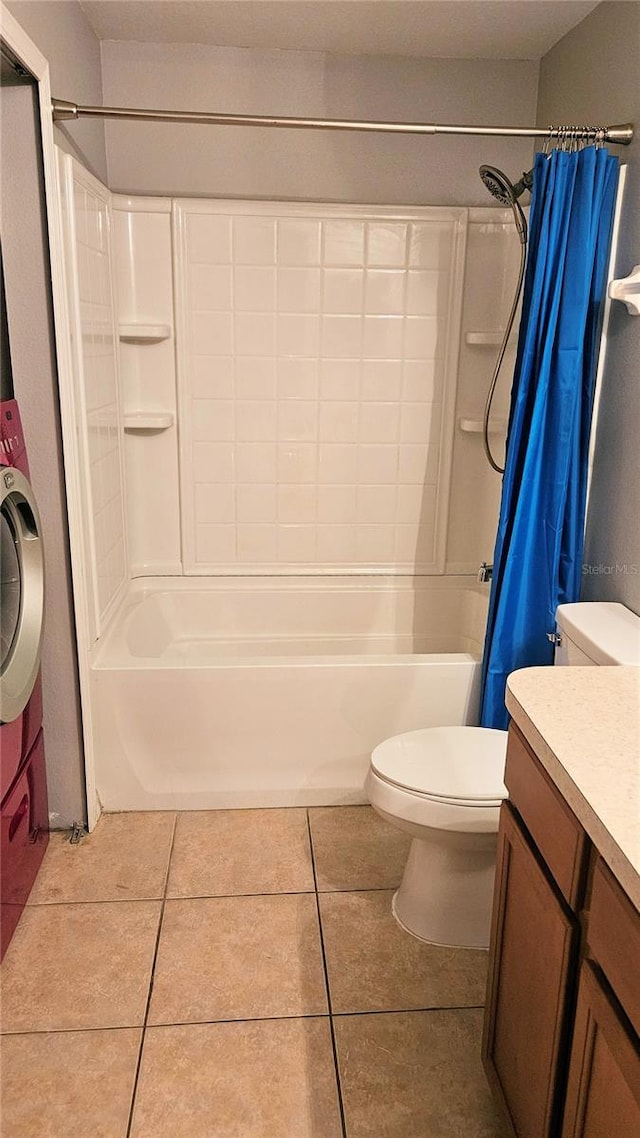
<point x="603" y="1093"/>
<point x="534" y="943"/>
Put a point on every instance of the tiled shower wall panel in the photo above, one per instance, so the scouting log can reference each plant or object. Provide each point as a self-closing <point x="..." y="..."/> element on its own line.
<point x="493" y="256"/>
<point x="144" y="295"/>
<point x="96" y="363"/>
<point x="316" y="371"/>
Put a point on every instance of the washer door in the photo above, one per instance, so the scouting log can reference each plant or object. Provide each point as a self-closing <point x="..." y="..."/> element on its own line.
<point x="22" y="593"/>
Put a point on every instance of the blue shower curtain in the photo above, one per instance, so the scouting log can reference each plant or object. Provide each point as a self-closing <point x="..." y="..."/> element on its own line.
<point x="537" y="560"/>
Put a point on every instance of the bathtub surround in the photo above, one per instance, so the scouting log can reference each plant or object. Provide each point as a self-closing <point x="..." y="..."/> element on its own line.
<point x="491" y="271"/>
<point x="143" y="273"/>
<point x="337" y="414"/>
<point x="322" y="342"/>
<point x="96" y="380"/>
<point x="287" y="406"/>
<point x="296" y="1004"/>
<point x="324" y="445"/>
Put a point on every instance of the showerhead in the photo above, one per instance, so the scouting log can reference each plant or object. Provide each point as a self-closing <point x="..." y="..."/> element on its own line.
<point x="506" y="193"/>
<point x="501" y="188"/>
<point x="498" y="184"/>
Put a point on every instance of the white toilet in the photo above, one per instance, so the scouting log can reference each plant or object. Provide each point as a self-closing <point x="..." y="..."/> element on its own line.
<point x="444" y="786"/>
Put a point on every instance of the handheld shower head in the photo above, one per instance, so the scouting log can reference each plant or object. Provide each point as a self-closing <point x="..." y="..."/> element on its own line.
<point x="497" y="184"/>
<point x="506" y="193"/>
<point x="501" y="188"/>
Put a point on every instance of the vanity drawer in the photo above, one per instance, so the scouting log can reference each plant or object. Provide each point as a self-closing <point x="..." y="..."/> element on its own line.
<point x="554" y="828"/>
<point x="613" y="937"/>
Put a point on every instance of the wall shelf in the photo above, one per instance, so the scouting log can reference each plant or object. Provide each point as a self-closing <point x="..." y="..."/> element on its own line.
<point x="475" y="426"/>
<point x="143" y="333"/>
<point x="148" y="420"/>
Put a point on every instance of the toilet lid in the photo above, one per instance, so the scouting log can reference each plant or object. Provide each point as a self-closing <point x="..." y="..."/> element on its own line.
<point x="463" y="764"/>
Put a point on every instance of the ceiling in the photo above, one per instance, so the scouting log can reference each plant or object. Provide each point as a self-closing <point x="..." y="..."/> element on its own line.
<point x="453" y="29"/>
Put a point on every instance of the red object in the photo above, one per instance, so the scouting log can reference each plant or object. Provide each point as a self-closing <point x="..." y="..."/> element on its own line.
<point x="24" y="835"/>
<point x="23" y="786"/>
<point x="10" y="753"/>
<point x="12" y="448"/>
<point x="12" y="453"/>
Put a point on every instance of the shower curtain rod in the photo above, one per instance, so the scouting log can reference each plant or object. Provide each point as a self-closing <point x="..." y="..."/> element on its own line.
<point x="621" y="135"/>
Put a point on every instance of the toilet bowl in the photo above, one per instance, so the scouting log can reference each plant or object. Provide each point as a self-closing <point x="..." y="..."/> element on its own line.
<point x="443" y="786"/>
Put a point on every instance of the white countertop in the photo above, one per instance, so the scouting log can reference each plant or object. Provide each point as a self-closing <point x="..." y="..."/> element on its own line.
<point x="584" y="726"/>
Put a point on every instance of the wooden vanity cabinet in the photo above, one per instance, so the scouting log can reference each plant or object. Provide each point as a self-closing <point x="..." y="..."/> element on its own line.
<point x="603" y="1088"/>
<point x="535" y="940"/>
<point x="557" y="1047"/>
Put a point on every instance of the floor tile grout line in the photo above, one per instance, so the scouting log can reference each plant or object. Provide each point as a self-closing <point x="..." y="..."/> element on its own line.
<point x="210" y="896"/>
<point x="71" y="1030"/>
<point x="95" y="901"/>
<point x="411" y="1011"/>
<point x="136" y="1078"/>
<point x="318" y="1015"/>
<point x="245" y="1019"/>
<point x="334" y="1047"/>
<point x="170" y="857"/>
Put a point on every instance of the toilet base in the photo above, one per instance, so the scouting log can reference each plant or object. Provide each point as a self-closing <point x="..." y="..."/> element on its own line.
<point x="446" y="892"/>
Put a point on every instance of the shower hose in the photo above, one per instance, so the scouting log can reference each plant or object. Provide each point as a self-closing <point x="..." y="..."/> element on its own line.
<point x="496" y="372"/>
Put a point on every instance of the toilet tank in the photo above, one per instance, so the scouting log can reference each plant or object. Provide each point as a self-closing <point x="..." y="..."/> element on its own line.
<point x="597" y="632"/>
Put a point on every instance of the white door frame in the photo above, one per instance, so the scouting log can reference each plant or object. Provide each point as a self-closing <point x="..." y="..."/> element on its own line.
<point x="32" y="59"/>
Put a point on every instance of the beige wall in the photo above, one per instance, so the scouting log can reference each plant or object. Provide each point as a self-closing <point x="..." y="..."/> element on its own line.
<point x="326" y="166"/>
<point x="593" y="76"/>
<point x="61" y="31"/>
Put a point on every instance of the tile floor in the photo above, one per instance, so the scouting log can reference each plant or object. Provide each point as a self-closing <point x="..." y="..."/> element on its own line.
<point x="236" y="974"/>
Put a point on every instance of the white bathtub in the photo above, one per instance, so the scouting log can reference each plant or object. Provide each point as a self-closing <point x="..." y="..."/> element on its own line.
<point x="241" y="692"/>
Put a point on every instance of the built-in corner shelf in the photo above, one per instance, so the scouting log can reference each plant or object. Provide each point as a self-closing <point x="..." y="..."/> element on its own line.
<point x="627" y="289"/>
<point x="475" y="426"/>
<point x="483" y="339"/>
<point x="143" y="333"/>
<point x="148" y="420"/>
